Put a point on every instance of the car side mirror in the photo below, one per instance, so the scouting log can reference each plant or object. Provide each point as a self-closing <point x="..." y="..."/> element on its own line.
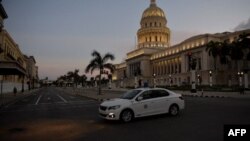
<point x="140" y="98"/>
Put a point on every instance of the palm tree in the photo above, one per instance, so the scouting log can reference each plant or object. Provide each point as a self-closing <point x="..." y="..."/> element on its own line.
<point x="244" y="44"/>
<point x="83" y="79"/>
<point x="100" y="63"/>
<point x="236" y="53"/>
<point x="92" y="81"/>
<point x="213" y="49"/>
<point x="76" y="76"/>
<point x="224" y="52"/>
<point x="70" y="76"/>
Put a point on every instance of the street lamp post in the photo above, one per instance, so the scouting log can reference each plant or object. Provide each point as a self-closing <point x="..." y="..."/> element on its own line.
<point x="198" y="79"/>
<point x="23" y="77"/>
<point x="154" y="80"/>
<point x="193" y="90"/>
<point x="246" y="80"/>
<point x="1" y="96"/>
<point x="240" y="74"/>
<point x="210" y="79"/>
<point x="135" y="81"/>
<point x="122" y="82"/>
<point x="170" y="80"/>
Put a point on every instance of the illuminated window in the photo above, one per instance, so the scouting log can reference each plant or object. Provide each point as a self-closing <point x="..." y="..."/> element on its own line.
<point x="202" y="42"/>
<point x="197" y="44"/>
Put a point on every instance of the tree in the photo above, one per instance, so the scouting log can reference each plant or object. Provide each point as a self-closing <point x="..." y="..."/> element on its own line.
<point x="213" y="49"/>
<point x="92" y="81"/>
<point x="236" y="53"/>
<point x="76" y="77"/>
<point x="70" y="76"/>
<point x="99" y="63"/>
<point x="244" y="43"/>
<point x="83" y="79"/>
<point x="224" y="52"/>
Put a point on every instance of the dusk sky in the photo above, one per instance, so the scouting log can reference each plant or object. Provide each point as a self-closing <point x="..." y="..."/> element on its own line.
<point x="61" y="34"/>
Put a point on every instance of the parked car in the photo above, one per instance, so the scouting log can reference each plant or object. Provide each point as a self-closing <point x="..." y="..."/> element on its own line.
<point x="142" y="102"/>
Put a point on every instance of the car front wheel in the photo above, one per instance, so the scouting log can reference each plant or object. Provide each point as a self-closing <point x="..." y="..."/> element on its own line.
<point x="126" y="115"/>
<point x="174" y="110"/>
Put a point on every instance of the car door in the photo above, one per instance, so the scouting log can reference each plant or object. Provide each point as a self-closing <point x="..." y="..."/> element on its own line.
<point x="160" y="101"/>
<point x="143" y="107"/>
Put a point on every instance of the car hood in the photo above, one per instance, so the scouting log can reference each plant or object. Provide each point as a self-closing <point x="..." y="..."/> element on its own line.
<point x="114" y="102"/>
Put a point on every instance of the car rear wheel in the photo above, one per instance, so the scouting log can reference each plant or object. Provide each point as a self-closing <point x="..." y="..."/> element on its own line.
<point x="174" y="110"/>
<point x="126" y="116"/>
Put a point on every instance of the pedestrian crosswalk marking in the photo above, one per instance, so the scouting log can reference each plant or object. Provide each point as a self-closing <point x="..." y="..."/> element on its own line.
<point x="38" y="100"/>
<point x="62" y="98"/>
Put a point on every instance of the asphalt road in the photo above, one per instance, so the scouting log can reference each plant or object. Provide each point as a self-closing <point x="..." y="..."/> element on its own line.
<point x="53" y="115"/>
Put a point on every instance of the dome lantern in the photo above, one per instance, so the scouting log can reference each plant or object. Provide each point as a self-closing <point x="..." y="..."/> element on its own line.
<point x="153" y="2"/>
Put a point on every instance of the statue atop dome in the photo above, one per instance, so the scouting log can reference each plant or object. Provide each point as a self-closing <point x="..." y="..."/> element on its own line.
<point x="152" y="2"/>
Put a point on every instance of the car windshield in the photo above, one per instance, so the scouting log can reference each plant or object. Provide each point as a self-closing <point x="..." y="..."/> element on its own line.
<point x="130" y="94"/>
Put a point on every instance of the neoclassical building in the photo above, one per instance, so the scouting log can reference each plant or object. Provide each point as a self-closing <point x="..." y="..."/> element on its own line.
<point x="156" y="62"/>
<point x="16" y="69"/>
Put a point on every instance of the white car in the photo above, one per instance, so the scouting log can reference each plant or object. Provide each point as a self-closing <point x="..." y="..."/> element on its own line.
<point x="142" y="102"/>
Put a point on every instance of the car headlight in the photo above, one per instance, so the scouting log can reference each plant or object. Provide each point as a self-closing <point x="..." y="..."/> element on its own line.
<point x="114" y="107"/>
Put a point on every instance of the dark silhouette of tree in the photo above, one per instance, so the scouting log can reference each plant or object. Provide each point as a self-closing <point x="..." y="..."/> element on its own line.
<point x="99" y="63"/>
<point x="213" y="50"/>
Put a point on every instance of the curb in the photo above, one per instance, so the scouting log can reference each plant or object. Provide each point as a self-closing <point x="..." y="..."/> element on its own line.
<point x="204" y="96"/>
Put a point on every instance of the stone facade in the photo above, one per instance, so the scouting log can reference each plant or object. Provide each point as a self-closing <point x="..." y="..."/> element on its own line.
<point x="32" y="72"/>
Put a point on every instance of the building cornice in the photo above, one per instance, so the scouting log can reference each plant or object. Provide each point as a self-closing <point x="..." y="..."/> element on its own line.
<point x="3" y="12"/>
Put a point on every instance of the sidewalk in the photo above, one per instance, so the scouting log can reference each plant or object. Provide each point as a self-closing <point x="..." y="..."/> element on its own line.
<point x="215" y="94"/>
<point x="117" y="92"/>
<point x="9" y="98"/>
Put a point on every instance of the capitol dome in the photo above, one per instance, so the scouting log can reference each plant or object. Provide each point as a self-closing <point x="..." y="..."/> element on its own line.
<point x="153" y="11"/>
<point x="153" y="32"/>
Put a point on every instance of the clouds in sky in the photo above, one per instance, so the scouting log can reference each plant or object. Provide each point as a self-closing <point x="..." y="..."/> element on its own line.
<point x="243" y="25"/>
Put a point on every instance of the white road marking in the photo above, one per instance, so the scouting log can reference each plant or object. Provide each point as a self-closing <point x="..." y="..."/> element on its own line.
<point x="62" y="98"/>
<point x="38" y="100"/>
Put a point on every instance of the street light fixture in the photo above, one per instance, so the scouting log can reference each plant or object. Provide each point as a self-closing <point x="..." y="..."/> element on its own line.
<point x="240" y="74"/>
<point x="154" y="80"/>
<point x="198" y="79"/>
<point x="210" y="79"/>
